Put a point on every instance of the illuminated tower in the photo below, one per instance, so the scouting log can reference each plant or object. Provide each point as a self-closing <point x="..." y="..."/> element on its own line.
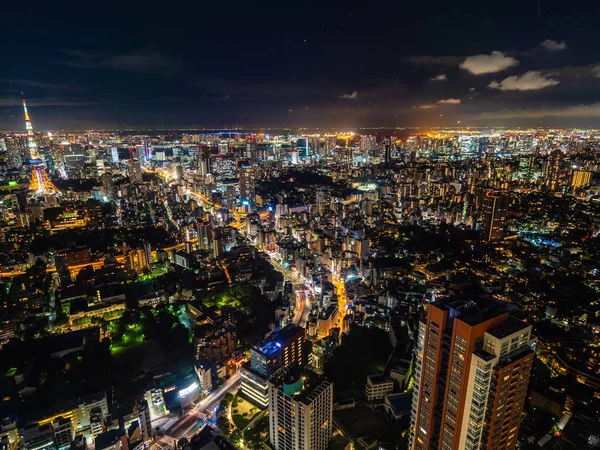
<point x="494" y="217"/>
<point x="40" y="183"/>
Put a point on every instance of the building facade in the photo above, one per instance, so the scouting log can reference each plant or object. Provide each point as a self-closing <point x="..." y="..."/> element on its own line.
<point x="300" y="415"/>
<point x="471" y="374"/>
<point x="493" y="217"/>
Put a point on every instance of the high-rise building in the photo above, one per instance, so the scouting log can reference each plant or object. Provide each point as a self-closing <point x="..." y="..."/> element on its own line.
<point x="551" y="168"/>
<point x="205" y="235"/>
<point x="284" y="348"/>
<point x="13" y="152"/>
<point x="114" y="154"/>
<point x="471" y="374"/>
<point x="388" y="154"/>
<point x="108" y="185"/>
<point x="246" y="177"/>
<point x="300" y="411"/>
<point x="147" y="150"/>
<point x="135" y="171"/>
<point x="303" y="148"/>
<point x="493" y="217"/>
<point x="204" y="373"/>
<point x="204" y="161"/>
<point x="143" y="412"/>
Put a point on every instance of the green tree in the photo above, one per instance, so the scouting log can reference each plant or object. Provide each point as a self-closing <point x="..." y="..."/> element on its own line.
<point x="224" y="425"/>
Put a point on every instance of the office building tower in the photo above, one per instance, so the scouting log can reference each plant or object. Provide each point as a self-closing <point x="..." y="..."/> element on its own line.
<point x="551" y="168"/>
<point x="471" y="373"/>
<point x="493" y="217"/>
<point x="388" y="154"/>
<point x="108" y="185"/>
<point x="300" y="411"/>
<point x="247" y="183"/>
<point x="147" y="150"/>
<point x="114" y="154"/>
<point x="284" y="348"/>
<point x="13" y="152"/>
<point x="135" y="171"/>
<point x="204" y="162"/>
<point x="205" y="235"/>
<point x="482" y="147"/>
<point x="303" y="148"/>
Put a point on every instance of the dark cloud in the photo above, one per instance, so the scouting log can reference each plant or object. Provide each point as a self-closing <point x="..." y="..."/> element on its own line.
<point x="424" y="60"/>
<point x="215" y="64"/>
<point x="20" y="84"/>
<point x="135" y="61"/>
<point x="553" y="46"/>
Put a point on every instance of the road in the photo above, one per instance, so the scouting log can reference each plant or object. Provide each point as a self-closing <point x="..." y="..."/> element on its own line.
<point x="302" y="306"/>
<point x="193" y="420"/>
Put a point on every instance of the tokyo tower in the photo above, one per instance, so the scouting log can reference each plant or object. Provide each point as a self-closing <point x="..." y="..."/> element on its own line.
<point x="39" y="183"/>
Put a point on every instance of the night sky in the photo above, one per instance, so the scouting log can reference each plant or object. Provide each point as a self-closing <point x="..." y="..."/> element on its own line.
<point x="291" y="64"/>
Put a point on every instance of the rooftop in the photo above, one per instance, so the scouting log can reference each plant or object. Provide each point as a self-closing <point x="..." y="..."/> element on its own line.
<point x="108" y="438"/>
<point x="376" y="379"/>
<point x="313" y="384"/>
<point x="471" y="312"/>
<point x="274" y="342"/>
<point x="511" y="326"/>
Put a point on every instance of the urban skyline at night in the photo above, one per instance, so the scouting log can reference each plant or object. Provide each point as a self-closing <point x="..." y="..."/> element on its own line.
<point x="300" y="226"/>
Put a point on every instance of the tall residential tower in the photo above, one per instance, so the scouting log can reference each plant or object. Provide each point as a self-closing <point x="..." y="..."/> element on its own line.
<point x="471" y="375"/>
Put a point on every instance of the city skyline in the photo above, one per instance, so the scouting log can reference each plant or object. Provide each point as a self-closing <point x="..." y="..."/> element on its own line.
<point x="300" y="226"/>
<point x="345" y="65"/>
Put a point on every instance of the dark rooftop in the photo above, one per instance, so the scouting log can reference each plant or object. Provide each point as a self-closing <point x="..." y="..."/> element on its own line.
<point x="107" y="439"/>
<point x="511" y="326"/>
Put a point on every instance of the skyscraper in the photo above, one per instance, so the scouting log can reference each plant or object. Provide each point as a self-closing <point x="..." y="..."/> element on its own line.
<point x="493" y="217"/>
<point x="300" y="411"/>
<point x="147" y="150"/>
<point x="303" y="148"/>
<point x="205" y="235"/>
<point x="143" y="412"/>
<point x="471" y="373"/>
<point x="13" y="152"/>
<point x="135" y="171"/>
<point x="552" y="167"/>
<point x="246" y="177"/>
